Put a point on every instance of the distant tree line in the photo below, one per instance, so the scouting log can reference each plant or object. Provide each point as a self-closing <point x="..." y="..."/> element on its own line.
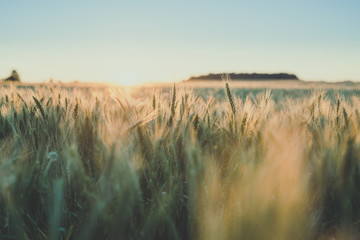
<point x="246" y="76"/>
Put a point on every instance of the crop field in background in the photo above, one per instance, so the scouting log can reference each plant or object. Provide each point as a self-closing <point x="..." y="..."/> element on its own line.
<point x="179" y="162"/>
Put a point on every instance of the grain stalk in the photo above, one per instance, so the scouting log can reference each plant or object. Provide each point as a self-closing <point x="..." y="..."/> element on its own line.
<point x="39" y="106"/>
<point x="230" y="98"/>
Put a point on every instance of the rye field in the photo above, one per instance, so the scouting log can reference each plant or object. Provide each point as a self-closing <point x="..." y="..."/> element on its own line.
<point x="179" y="162"/>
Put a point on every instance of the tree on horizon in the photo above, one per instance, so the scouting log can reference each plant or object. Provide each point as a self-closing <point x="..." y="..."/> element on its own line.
<point x="14" y="77"/>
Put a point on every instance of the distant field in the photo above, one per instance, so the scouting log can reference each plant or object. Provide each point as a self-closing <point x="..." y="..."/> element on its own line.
<point x="194" y="161"/>
<point x="286" y="84"/>
<point x="281" y="90"/>
<point x="273" y="84"/>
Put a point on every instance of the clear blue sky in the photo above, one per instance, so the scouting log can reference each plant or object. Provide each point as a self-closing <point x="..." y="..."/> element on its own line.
<point x="134" y="41"/>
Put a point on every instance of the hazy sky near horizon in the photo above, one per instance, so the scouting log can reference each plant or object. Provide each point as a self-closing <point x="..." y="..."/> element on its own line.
<point x="150" y="41"/>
